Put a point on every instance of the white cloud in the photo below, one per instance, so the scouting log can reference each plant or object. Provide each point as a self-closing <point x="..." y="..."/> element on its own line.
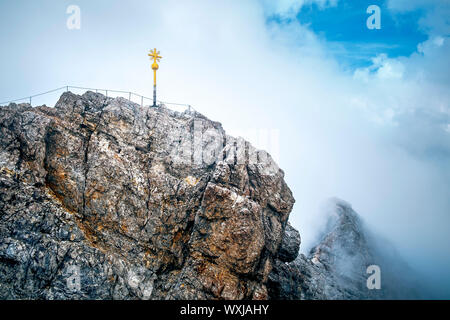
<point x="428" y="46"/>
<point x="447" y="128"/>
<point x="288" y="9"/>
<point x="385" y="68"/>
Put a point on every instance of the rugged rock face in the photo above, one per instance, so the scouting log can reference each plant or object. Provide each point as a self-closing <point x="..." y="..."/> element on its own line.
<point x="336" y="268"/>
<point x="102" y="199"/>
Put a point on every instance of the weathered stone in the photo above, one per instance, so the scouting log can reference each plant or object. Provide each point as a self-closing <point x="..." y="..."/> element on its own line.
<point x="146" y="203"/>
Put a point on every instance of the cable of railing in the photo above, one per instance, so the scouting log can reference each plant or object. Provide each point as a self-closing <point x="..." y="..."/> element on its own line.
<point x="116" y="91"/>
<point x="41" y="94"/>
<point x="33" y="96"/>
<point x="173" y="103"/>
<point x="11" y="101"/>
<point x="130" y="94"/>
<point x="106" y="90"/>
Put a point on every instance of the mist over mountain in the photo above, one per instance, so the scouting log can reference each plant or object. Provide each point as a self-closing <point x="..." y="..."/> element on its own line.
<point x="337" y="267"/>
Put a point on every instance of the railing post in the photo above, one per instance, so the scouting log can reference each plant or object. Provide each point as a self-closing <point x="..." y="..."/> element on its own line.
<point x="107" y="93"/>
<point x="129" y="96"/>
<point x="67" y="88"/>
<point x="142" y="101"/>
<point x="30" y="101"/>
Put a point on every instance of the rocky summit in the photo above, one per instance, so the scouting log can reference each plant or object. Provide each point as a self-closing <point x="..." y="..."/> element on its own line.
<point x="101" y="198"/>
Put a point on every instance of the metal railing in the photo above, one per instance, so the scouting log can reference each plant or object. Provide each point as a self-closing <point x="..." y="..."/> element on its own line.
<point x="130" y="95"/>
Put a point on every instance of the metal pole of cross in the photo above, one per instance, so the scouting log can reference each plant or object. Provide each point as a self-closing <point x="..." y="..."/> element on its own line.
<point x="156" y="57"/>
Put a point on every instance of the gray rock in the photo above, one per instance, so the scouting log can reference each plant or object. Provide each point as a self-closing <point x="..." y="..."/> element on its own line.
<point x="290" y="244"/>
<point x="103" y="199"/>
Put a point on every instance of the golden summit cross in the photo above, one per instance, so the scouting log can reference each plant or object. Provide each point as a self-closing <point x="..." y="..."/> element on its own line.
<point x="154" y="54"/>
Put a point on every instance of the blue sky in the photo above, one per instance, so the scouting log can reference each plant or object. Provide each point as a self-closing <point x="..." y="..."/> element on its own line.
<point x="363" y="115"/>
<point x="343" y="27"/>
<point x="344" y="24"/>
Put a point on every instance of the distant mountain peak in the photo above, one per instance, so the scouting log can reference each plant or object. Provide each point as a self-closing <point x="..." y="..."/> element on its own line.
<point x="336" y="268"/>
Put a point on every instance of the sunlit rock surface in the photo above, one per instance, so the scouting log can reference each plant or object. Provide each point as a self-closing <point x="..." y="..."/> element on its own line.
<point x="103" y="199"/>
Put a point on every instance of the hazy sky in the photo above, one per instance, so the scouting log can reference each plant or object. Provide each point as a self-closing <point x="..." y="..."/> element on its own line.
<point x="361" y="114"/>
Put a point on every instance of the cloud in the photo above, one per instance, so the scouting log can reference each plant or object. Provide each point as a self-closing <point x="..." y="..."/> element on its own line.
<point x="411" y="93"/>
<point x="382" y="68"/>
<point x="288" y="9"/>
<point x="436" y="20"/>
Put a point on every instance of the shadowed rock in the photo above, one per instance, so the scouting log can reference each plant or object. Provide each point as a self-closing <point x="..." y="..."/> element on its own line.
<point x="290" y="244"/>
